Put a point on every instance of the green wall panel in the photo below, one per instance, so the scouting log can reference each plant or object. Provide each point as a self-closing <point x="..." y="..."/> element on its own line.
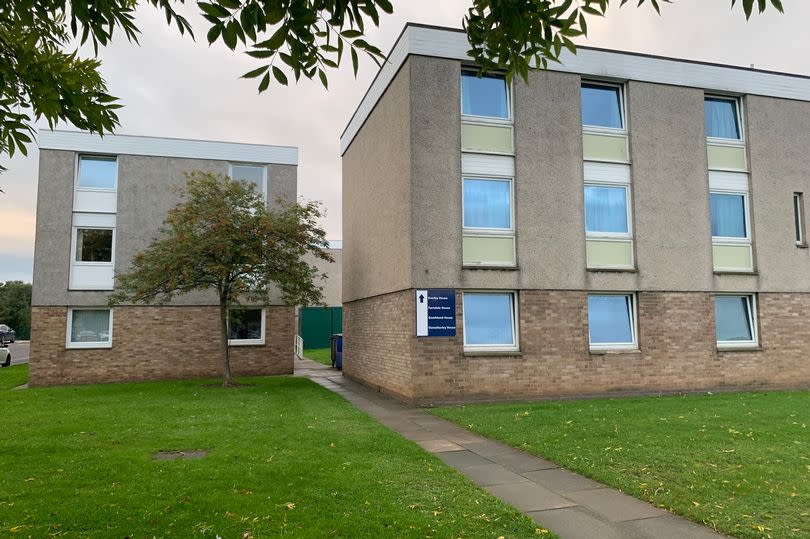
<point x="609" y="254"/>
<point x="486" y="138"/>
<point x="317" y="324"/>
<point x="726" y="157"/>
<point x="604" y="147"/>
<point x="732" y="257"/>
<point x="489" y="250"/>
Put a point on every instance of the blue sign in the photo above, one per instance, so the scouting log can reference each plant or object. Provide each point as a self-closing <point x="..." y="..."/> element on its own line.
<point x="436" y="312"/>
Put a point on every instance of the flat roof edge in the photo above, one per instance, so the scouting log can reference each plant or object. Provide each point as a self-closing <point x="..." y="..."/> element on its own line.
<point x="83" y="141"/>
<point x="442" y="42"/>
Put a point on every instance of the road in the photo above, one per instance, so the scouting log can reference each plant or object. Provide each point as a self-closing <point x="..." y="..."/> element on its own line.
<point x="19" y="352"/>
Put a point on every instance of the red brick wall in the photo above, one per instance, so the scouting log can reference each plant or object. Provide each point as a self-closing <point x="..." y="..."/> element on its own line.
<point x="155" y="343"/>
<point x="377" y="342"/>
<point x="676" y="341"/>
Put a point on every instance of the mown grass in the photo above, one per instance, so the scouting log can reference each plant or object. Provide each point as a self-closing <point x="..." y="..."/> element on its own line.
<point x="285" y="457"/>
<point x="739" y="463"/>
<point x="321" y="355"/>
<point x="13" y="376"/>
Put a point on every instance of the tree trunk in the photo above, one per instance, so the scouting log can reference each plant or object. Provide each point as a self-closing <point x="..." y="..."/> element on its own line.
<point x="223" y="321"/>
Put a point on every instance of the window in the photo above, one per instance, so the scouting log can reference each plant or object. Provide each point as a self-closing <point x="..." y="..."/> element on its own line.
<point x="246" y="326"/>
<point x="729" y="215"/>
<point x="254" y="174"/>
<point x="735" y="320"/>
<point x="89" y="328"/>
<point x="606" y="209"/>
<point x="94" y="245"/>
<point x="798" y="218"/>
<point x="612" y="321"/>
<point x="97" y="172"/>
<point x="486" y="96"/>
<point x="487" y="203"/>
<point x="722" y="118"/>
<point x="602" y="105"/>
<point x="489" y="321"/>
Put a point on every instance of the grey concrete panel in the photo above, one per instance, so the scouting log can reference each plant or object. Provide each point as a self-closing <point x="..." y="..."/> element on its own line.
<point x="578" y="523"/>
<point x="528" y="496"/>
<point x="549" y="216"/>
<point x="435" y="171"/>
<point x="670" y="187"/>
<point x="53" y="227"/>
<point x="492" y="474"/>
<point x="778" y="131"/>
<point x="377" y="198"/>
<point x="332" y="284"/>
<point x="614" y="505"/>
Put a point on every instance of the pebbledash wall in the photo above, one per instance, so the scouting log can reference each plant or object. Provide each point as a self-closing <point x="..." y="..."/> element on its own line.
<point x="100" y="201"/>
<point x="705" y="260"/>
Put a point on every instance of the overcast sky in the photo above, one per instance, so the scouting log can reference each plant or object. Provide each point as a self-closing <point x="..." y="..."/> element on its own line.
<point x="174" y="87"/>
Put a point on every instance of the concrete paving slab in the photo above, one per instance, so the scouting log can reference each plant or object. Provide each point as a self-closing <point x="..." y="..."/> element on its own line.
<point x="668" y="527"/>
<point x="418" y="435"/>
<point x="528" y="496"/>
<point x="492" y="474"/>
<point x="521" y="462"/>
<point x="560" y="480"/>
<point x="488" y="448"/>
<point x="462" y="459"/>
<point x="578" y="523"/>
<point x="614" y="505"/>
<point x="438" y="446"/>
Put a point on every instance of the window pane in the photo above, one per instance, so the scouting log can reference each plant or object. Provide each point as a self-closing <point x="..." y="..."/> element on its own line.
<point x="97" y="172"/>
<point x="610" y="319"/>
<point x="721" y="118"/>
<point x="605" y="209"/>
<point x="245" y="324"/>
<point x="93" y="245"/>
<point x="487" y="203"/>
<point x="485" y="96"/>
<point x="90" y="326"/>
<point x="797" y="217"/>
<point x="488" y="319"/>
<point x="728" y="216"/>
<point x="251" y="174"/>
<point x="601" y="106"/>
<point x="732" y="316"/>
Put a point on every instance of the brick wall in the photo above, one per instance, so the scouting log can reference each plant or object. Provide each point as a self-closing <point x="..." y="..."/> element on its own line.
<point x="676" y="341"/>
<point x="377" y="342"/>
<point x="155" y="343"/>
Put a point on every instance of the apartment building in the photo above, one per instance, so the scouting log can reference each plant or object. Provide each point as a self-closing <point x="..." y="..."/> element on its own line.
<point x="621" y="223"/>
<point x="100" y="201"/>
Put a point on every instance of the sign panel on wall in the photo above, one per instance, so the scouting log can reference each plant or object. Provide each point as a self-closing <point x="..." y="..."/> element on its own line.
<point x="436" y="312"/>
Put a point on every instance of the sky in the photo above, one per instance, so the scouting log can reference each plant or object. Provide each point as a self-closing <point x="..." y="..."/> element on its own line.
<point x="172" y="86"/>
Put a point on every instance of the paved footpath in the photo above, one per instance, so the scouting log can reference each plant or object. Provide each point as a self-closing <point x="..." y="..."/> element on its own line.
<point x="570" y="505"/>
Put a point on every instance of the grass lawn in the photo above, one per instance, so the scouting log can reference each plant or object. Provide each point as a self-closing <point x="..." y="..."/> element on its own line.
<point x="285" y="457"/>
<point x="737" y="462"/>
<point x="13" y="376"/>
<point x="321" y="355"/>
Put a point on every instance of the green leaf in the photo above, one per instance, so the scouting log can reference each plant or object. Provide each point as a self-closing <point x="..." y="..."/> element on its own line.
<point x="324" y="81"/>
<point x="264" y="83"/>
<point x="280" y="76"/>
<point x="256" y="72"/>
<point x="355" y="61"/>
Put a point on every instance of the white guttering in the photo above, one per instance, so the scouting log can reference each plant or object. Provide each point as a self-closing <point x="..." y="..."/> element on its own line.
<point x="82" y="141"/>
<point x="451" y="43"/>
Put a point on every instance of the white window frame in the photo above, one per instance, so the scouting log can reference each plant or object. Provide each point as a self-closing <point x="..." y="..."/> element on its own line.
<point x="628" y="201"/>
<point x="752" y="320"/>
<point x="622" y="105"/>
<point x="488" y="120"/>
<point x="739" y="110"/>
<point x="75" y="246"/>
<point x="248" y="342"/>
<point x="484" y="231"/>
<point x="255" y="165"/>
<point x="726" y="240"/>
<point x="798" y="219"/>
<point x="79" y="157"/>
<point x="78" y="345"/>
<point x="515" y="346"/>
<point x="633" y="323"/>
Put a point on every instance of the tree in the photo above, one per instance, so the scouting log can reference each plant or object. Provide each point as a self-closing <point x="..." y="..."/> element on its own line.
<point x="39" y="79"/>
<point x="222" y="236"/>
<point x="15" y="307"/>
